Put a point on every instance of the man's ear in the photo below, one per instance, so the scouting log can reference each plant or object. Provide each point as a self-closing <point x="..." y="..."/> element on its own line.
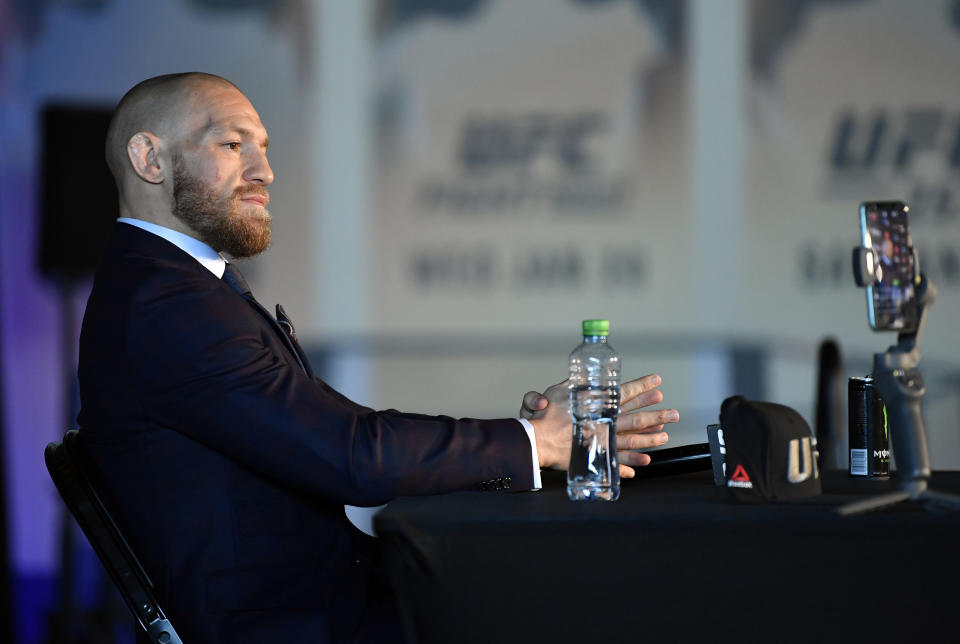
<point x="143" y="150"/>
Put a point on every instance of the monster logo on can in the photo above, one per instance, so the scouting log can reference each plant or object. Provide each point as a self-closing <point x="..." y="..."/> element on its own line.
<point x="869" y="435"/>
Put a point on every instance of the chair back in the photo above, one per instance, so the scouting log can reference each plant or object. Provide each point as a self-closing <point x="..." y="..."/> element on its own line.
<point x="76" y="479"/>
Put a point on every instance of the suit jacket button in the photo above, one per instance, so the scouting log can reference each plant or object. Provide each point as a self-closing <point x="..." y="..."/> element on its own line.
<point x="506" y="482"/>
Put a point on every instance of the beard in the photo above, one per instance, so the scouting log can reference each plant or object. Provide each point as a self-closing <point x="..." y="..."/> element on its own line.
<point x="226" y="224"/>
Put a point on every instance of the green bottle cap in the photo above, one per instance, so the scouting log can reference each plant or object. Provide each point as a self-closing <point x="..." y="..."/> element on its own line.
<point x="596" y="327"/>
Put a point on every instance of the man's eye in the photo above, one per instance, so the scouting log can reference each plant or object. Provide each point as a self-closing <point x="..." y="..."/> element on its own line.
<point x="233" y="145"/>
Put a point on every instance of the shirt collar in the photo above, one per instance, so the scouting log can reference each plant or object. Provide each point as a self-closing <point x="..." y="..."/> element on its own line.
<point x="208" y="258"/>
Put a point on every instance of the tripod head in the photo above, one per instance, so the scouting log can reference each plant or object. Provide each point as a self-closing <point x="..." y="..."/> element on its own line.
<point x="905" y="353"/>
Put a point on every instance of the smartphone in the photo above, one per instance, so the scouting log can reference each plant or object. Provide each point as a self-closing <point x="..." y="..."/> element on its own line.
<point x="891" y="299"/>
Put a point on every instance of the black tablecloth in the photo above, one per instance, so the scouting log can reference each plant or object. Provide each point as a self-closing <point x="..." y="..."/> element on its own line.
<point x="673" y="560"/>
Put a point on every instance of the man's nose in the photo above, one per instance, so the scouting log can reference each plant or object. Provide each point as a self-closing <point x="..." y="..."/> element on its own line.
<point x="259" y="170"/>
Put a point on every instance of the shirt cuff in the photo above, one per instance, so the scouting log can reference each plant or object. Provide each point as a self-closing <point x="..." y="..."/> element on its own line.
<point x="533" y="452"/>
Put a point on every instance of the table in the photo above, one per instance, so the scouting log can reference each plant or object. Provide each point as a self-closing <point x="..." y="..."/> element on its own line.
<point x="673" y="560"/>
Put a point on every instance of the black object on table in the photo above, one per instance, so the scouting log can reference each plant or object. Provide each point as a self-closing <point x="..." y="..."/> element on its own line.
<point x="674" y="560"/>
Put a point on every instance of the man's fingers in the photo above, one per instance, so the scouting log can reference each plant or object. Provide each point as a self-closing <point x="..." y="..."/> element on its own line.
<point x="634" y="459"/>
<point x="630" y="460"/>
<point x="644" y="399"/>
<point x="558" y="391"/>
<point x="646" y="421"/>
<point x="641" y="441"/>
<point x="634" y="388"/>
<point x="652" y="429"/>
<point x="533" y="402"/>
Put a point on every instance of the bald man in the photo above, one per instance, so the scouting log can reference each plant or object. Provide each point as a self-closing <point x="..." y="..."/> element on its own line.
<point x="230" y="462"/>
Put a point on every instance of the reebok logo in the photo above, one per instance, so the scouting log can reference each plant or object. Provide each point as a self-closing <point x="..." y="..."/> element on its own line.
<point x="739" y="478"/>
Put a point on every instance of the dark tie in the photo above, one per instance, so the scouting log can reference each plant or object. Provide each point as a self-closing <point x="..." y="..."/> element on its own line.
<point x="233" y="277"/>
<point x="281" y="324"/>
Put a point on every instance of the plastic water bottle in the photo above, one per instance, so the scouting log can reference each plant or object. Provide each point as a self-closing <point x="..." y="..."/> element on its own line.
<point x="593" y="473"/>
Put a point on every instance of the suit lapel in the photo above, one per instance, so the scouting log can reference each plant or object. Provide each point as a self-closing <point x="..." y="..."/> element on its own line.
<point x="130" y="238"/>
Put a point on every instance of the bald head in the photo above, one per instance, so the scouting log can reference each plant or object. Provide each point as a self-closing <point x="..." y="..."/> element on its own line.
<point x="188" y="152"/>
<point x="155" y="105"/>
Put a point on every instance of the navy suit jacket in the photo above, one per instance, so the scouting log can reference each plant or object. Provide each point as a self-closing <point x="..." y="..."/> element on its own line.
<point x="230" y="465"/>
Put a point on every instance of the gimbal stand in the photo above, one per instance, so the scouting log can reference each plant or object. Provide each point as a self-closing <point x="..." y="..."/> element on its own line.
<point x="898" y="381"/>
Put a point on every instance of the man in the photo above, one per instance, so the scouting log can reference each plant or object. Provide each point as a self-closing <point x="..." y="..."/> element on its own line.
<point x="229" y="461"/>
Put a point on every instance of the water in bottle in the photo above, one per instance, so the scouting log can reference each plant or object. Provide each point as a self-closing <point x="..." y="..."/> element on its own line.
<point x="593" y="473"/>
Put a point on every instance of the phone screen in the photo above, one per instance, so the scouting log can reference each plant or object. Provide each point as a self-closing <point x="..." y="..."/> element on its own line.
<point x="891" y="301"/>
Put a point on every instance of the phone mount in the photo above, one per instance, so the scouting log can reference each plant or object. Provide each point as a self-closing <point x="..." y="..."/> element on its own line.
<point x="899" y="382"/>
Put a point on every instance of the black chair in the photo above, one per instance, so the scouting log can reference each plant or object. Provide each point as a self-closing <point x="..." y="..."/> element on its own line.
<point x="74" y="475"/>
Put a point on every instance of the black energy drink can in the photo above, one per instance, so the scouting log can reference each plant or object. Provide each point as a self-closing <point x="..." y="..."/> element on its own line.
<point x="869" y="436"/>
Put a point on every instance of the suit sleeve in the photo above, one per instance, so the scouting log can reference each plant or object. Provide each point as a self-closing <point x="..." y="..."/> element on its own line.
<point x="214" y="377"/>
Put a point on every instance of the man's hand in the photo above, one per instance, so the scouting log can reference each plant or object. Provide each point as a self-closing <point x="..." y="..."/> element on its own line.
<point x="549" y="414"/>
<point x="640" y="429"/>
